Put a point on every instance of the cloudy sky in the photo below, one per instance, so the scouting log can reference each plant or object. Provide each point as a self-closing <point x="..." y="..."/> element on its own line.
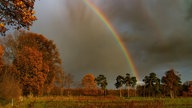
<point x="157" y="33"/>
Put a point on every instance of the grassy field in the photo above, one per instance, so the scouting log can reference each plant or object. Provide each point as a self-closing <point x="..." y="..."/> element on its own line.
<point x="102" y="102"/>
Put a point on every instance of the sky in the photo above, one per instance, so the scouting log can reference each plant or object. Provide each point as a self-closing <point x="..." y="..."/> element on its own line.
<point x="156" y="33"/>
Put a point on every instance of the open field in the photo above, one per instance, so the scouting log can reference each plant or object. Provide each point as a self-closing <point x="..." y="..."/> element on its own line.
<point x="102" y="102"/>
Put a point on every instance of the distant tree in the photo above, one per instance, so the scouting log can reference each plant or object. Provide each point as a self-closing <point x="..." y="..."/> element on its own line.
<point x="133" y="83"/>
<point x="102" y="82"/>
<point x="89" y="85"/>
<point x="129" y="82"/>
<point x="67" y="80"/>
<point x="88" y="81"/>
<point x="172" y="82"/>
<point x="16" y="14"/>
<point x="152" y="84"/>
<point x="119" y="83"/>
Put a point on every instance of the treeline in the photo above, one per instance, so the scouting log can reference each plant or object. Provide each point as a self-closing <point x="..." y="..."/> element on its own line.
<point x="169" y="85"/>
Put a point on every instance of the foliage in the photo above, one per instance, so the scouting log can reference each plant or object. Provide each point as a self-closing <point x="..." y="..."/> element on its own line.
<point x="16" y="14"/>
<point x="172" y="82"/>
<point x="37" y="60"/>
<point x="50" y="56"/>
<point x="127" y="80"/>
<point x="30" y="65"/>
<point x="102" y="82"/>
<point x="130" y="82"/>
<point x="89" y="85"/>
<point x="88" y="81"/>
<point x="152" y="84"/>
<point x="119" y="83"/>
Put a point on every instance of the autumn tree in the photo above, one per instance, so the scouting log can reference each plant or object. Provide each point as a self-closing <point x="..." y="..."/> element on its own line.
<point x="29" y="63"/>
<point x="51" y="62"/>
<point x="101" y="81"/>
<point x="88" y="81"/>
<point x="16" y="14"/>
<point x="152" y="84"/>
<point x="172" y="82"/>
<point x="129" y="82"/>
<point x="89" y="85"/>
<point x="50" y="56"/>
<point x="119" y="83"/>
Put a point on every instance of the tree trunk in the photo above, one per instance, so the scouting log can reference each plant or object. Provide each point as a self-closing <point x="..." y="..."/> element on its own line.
<point x="127" y="91"/>
<point x="104" y="92"/>
<point x="171" y="94"/>
<point x="120" y="94"/>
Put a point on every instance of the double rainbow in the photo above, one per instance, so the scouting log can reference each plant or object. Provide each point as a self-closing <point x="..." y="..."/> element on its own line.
<point x="108" y="24"/>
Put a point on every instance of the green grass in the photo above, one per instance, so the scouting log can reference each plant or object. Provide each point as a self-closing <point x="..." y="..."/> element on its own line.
<point x="103" y="102"/>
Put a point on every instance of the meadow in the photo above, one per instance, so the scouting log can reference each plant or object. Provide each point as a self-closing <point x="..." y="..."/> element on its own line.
<point x="101" y="102"/>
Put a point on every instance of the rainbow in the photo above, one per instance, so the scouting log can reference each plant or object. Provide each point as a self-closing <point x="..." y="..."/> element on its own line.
<point x="107" y="23"/>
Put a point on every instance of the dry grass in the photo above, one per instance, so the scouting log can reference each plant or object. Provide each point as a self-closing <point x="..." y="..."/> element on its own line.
<point x="103" y="102"/>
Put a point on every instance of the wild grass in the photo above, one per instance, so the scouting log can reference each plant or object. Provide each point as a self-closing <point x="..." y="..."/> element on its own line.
<point x="102" y="102"/>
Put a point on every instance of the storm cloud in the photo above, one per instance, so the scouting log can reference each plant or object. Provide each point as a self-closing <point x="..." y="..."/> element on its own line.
<point x="155" y="32"/>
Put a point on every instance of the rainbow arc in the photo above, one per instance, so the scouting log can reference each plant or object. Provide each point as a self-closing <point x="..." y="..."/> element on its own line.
<point x="110" y="27"/>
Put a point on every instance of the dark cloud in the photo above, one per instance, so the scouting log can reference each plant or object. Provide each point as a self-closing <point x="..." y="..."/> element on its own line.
<point x="85" y="44"/>
<point x="155" y="32"/>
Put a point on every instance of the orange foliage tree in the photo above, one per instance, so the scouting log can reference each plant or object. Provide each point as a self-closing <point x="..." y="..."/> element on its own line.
<point x="16" y="14"/>
<point x="88" y="81"/>
<point x="89" y="84"/>
<point x="50" y="56"/>
<point x="31" y="52"/>
<point x="30" y="65"/>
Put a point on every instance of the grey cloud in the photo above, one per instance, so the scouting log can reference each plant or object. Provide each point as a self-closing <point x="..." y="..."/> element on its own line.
<point x="160" y="33"/>
<point x="155" y="32"/>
